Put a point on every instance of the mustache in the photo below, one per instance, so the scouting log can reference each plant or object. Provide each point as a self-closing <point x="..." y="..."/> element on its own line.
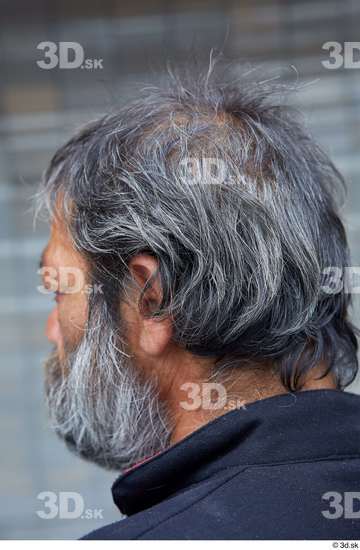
<point x="56" y="369"/>
<point x="53" y="370"/>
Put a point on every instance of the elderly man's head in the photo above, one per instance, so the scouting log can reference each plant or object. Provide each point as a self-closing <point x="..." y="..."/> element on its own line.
<point x="202" y="220"/>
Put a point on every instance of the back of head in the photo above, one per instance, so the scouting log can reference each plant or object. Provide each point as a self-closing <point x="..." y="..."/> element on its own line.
<point x="222" y="184"/>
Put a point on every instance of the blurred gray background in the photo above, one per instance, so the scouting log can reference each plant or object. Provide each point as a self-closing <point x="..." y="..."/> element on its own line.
<point x="39" y="109"/>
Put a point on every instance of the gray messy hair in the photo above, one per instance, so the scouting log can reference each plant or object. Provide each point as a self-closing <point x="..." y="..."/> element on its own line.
<point x="240" y="257"/>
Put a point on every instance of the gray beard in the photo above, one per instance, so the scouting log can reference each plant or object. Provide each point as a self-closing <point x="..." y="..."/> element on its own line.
<point x="100" y="406"/>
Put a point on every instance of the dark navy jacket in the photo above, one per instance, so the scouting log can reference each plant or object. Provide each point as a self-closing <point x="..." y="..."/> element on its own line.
<point x="287" y="467"/>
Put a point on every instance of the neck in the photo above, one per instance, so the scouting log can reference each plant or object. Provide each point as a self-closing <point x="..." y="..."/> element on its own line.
<point x="198" y="401"/>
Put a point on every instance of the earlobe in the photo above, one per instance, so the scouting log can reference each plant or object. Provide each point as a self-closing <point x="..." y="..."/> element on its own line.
<point x="155" y="335"/>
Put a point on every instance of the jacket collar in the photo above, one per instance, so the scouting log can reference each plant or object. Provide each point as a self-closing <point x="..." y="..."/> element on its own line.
<point x="291" y="427"/>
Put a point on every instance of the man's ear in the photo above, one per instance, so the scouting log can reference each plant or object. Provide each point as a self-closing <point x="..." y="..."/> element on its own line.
<point x="143" y="271"/>
<point x="154" y="334"/>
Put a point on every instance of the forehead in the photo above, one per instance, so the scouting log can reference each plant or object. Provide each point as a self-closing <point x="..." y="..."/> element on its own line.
<point x="59" y="235"/>
<point x="60" y="248"/>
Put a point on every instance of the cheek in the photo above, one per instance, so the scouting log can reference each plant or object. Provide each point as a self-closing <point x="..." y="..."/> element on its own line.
<point x="130" y="327"/>
<point x="72" y="315"/>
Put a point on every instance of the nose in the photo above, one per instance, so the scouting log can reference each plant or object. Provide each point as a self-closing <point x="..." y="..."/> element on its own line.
<point x="53" y="333"/>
